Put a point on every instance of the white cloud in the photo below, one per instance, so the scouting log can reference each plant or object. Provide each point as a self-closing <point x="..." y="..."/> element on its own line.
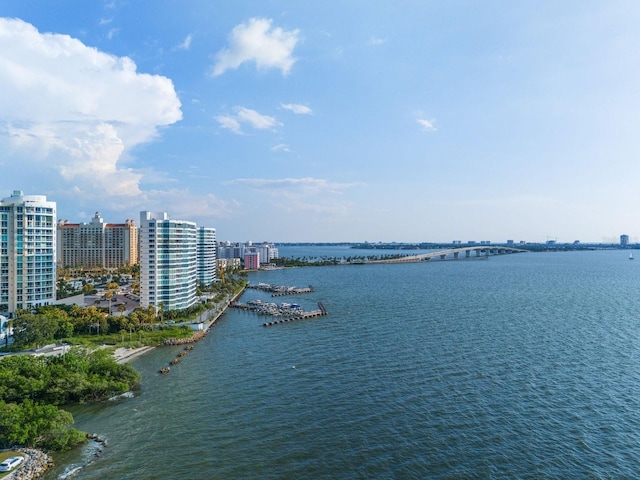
<point x="281" y="147"/>
<point x="257" y="42"/>
<point x="297" y="108"/>
<point x="427" y="125"/>
<point x="75" y="112"/>
<point x="255" y="119"/>
<point x="185" y="44"/>
<point x="377" y="41"/>
<point x="248" y="117"/>
<point x="302" y="195"/>
<point x="302" y="186"/>
<point x="185" y="204"/>
<point x="230" y="123"/>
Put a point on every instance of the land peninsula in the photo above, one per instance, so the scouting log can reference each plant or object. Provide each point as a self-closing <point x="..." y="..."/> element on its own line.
<point x="87" y="360"/>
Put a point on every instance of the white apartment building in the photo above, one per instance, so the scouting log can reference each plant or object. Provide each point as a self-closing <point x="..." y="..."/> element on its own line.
<point x="97" y="244"/>
<point x="27" y="252"/>
<point x="268" y="252"/>
<point x="168" y="261"/>
<point x="206" y="255"/>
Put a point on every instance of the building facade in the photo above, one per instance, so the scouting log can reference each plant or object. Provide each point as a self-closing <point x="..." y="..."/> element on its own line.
<point x="624" y="240"/>
<point x="168" y="261"/>
<point x="251" y="259"/>
<point x="206" y="255"/>
<point x="27" y="252"/>
<point x="97" y="244"/>
<point x="229" y="263"/>
<point x="268" y="253"/>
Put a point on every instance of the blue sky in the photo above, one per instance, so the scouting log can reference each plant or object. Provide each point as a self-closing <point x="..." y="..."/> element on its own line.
<point x="329" y="121"/>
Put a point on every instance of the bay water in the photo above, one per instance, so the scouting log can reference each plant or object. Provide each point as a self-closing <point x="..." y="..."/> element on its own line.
<point x="519" y="366"/>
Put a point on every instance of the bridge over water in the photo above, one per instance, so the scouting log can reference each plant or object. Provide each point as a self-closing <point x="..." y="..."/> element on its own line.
<point x="477" y="251"/>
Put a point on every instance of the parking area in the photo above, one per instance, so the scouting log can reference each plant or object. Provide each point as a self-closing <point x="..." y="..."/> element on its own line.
<point x="129" y="301"/>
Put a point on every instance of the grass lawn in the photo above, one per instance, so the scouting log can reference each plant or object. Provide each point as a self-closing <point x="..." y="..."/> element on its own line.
<point x="152" y="337"/>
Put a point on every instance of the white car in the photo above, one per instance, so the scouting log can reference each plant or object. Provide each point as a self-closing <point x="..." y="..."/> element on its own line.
<point x="10" y="463"/>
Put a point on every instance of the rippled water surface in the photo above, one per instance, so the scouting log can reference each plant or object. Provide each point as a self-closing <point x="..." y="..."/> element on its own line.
<point x="520" y="366"/>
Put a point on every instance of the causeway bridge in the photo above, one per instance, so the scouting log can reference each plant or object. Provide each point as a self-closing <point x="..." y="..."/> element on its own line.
<point x="476" y="251"/>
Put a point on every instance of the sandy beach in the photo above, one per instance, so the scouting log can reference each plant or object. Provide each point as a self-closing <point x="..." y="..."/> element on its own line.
<point x="124" y="355"/>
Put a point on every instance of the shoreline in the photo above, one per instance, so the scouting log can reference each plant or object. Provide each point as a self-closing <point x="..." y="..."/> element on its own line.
<point x="36" y="464"/>
<point x="125" y="354"/>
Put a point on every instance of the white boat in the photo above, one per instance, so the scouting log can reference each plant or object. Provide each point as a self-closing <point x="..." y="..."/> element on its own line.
<point x="631" y="256"/>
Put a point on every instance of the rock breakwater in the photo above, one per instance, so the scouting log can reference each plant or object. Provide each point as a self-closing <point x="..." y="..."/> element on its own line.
<point x="35" y="466"/>
<point x="197" y="336"/>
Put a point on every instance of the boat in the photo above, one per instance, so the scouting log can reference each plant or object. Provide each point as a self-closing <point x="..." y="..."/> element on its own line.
<point x="631" y="256"/>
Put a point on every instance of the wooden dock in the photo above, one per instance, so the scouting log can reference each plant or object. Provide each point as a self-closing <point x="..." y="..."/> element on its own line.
<point x="321" y="312"/>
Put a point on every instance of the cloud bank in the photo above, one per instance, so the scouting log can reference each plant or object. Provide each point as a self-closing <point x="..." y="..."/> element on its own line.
<point x="74" y="112"/>
<point x="305" y="195"/>
<point x="294" y="186"/>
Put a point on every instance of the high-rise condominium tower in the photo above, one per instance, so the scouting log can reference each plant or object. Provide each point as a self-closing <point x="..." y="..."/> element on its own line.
<point x="27" y="252"/>
<point x="207" y="255"/>
<point x="168" y="261"/>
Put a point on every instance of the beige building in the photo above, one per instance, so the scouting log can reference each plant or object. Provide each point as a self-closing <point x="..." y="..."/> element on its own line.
<point x="97" y="244"/>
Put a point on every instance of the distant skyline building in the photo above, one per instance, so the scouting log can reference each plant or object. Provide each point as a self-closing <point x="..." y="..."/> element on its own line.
<point x="27" y="252"/>
<point x="230" y="250"/>
<point x="226" y="263"/>
<point x="97" y="244"/>
<point x="267" y="251"/>
<point x="251" y="259"/>
<point x="207" y="265"/>
<point x="168" y="261"/>
<point x="624" y="240"/>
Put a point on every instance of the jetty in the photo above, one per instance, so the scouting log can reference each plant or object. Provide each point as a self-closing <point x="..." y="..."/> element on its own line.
<point x="280" y="290"/>
<point x="268" y="308"/>
<point x="320" y="312"/>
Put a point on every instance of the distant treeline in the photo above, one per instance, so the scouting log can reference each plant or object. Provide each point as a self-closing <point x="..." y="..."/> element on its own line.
<point x="533" y="247"/>
<point x="327" y="260"/>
